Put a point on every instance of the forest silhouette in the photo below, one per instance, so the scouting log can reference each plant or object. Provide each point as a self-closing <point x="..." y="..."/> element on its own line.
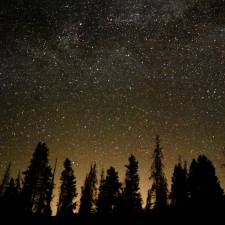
<point x="195" y="193"/>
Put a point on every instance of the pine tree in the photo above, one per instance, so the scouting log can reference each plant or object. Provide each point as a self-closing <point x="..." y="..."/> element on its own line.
<point x="18" y="183"/>
<point x="203" y="185"/>
<point x="158" y="178"/>
<point x="89" y="192"/>
<point x="5" y="180"/>
<point x="179" y="192"/>
<point x="11" y="188"/>
<point x="38" y="183"/>
<point x="9" y="198"/>
<point x="48" y="209"/>
<point x="132" y="202"/>
<point x="101" y="200"/>
<point x="110" y="193"/>
<point x="66" y="205"/>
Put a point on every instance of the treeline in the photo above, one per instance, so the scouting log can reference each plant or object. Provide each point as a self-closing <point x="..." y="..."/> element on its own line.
<point x="31" y="193"/>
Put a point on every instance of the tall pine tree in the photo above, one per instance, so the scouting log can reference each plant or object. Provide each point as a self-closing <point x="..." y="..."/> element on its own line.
<point x="5" y="180"/>
<point x="89" y="192"/>
<point x="37" y="186"/>
<point x="179" y="191"/>
<point x="159" y="183"/>
<point x="11" y="199"/>
<point x="100" y="204"/>
<point x="110" y="193"/>
<point x="131" y="200"/>
<point x="18" y="183"/>
<point x="203" y="185"/>
<point x="68" y="193"/>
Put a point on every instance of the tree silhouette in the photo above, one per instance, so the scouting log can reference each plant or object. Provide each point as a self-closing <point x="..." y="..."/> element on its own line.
<point x="110" y="193"/>
<point x="88" y="192"/>
<point x="179" y="191"/>
<point x="131" y="200"/>
<point x="18" y="183"/>
<point x="11" y="199"/>
<point x="100" y="204"/>
<point x="159" y="184"/>
<point x="68" y="192"/>
<point x="50" y="192"/>
<point x="5" y="180"/>
<point x="203" y="184"/>
<point x="37" y="186"/>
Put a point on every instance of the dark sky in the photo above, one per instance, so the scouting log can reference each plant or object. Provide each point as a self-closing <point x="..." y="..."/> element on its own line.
<point x="99" y="91"/>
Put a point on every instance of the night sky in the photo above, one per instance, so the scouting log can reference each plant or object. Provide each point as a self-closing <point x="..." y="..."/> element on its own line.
<point x="152" y="68"/>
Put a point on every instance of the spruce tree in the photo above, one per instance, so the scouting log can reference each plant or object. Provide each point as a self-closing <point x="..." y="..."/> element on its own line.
<point x="110" y="193"/>
<point x="18" y="183"/>
<point x="11" y="188"/>
<point x="179" y="191"/>
<point x="38" y="183"/>
<point x="159" y="183"/>
<point x="49" y="196"/>
<point x="89" y="192"/>
<point x="5" y="180"/>
<point x="101" y="200"/>
<point x="68" y="193"/>
<point x="203" y="185"/>
<point x="9" y="198"/>
<point x="131" y="200"/>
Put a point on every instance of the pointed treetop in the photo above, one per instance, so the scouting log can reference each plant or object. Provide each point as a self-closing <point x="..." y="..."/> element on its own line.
<point x="6" y="178"/>
<point x="157" y="139"/>
<point x="18" y="182"/>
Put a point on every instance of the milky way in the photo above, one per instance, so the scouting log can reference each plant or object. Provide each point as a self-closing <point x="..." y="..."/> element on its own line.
<point x="103" y="95"/>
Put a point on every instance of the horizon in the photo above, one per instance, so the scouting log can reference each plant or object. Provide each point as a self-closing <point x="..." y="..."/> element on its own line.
<point x="144" y="173"/>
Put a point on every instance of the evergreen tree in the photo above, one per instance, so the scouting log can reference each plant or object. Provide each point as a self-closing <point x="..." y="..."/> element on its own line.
<point x="5" y="180"/>
<point x="11" y="201"/>
<point x="9" y="198"/>
<point x="88" y="192"/>
<point x="18" y="183"/>
<point x="203" y="184"/>
<point x="66" y="205"/>
<point x="101" y="200"/>
<point x="37" y="185"/>
<point x="11" y="188"/>
<point x="110" y="193"/>
<point x="179" y="192"/>
<point x="50" y="192"/>
<point x="159" y="183"/>
<point x="132" y="202"/>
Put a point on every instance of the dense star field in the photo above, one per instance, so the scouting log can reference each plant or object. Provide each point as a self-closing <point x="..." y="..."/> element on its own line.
<point x="97" y="81"/>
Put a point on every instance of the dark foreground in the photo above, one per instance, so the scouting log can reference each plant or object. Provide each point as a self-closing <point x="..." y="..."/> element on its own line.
<point x="170" y="217"/>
